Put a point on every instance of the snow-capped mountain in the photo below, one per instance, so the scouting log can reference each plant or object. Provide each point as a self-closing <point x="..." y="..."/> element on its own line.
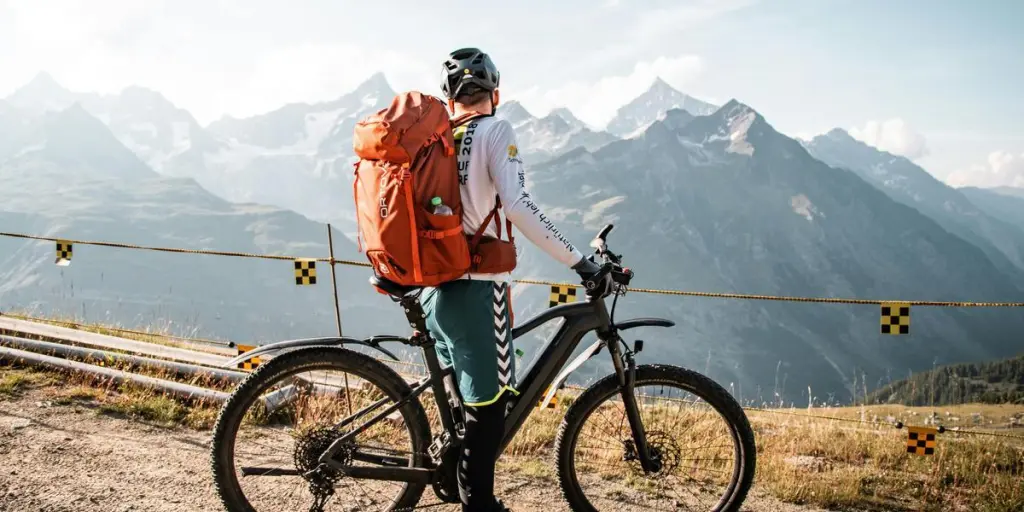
<point x="725" y="203"/>
<point x="68" y="176"/>
<point x="907" y="183"/>
<point x="567" y="116"/>
<point x="167" y="138"/>
<point x="44" y="94"/>
<point x="297" y="157"/>
<point x="632" y="118"/>
<point x="549" y="136"/>
<point x="513" y="112"/>
<point x="74" y="140"/>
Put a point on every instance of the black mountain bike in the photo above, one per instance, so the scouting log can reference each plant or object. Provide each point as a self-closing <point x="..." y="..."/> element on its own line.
<point x="322" y="427"/>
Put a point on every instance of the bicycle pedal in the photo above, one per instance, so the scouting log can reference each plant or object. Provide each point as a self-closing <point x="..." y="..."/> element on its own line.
<point x="439" y="446"/>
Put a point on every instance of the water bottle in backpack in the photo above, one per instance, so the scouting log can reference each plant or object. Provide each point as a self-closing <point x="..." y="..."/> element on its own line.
<point x="440" y="208"/>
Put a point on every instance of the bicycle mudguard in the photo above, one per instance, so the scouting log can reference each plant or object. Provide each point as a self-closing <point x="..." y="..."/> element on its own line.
<point x="277" y="346"/>
<point x="643" y="322"/>
<point x="594" y="348"/>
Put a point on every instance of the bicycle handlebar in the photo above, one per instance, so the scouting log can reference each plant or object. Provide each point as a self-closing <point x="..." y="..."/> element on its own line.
<point x="611" y="263"/>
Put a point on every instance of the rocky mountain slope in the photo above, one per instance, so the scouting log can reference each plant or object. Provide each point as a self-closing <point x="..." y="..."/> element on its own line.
<point x="725" y="203"/>
<point x="911" y="185"/>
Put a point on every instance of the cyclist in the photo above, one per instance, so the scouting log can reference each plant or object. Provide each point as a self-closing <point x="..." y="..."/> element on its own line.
<point x="470" y="317"/>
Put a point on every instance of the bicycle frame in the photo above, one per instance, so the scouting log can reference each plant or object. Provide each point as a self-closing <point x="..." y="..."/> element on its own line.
<point x="578" y="320"/>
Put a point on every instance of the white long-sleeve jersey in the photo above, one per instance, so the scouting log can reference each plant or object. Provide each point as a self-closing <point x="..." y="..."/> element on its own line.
<point x="490" y="165"/>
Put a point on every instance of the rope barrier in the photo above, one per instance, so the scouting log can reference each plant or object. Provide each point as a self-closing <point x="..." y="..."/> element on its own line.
<point x="897" y="425"/>
<point x="235" y="254"/>
<point x="683" y="293"/>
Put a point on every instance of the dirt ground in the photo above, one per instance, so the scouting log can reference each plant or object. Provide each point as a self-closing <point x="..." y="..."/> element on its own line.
<point x="72" y="458"/>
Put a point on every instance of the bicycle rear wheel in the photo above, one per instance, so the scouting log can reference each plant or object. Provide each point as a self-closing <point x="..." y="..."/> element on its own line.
<point x="272" y="430"/>
<point x="693" y="426"/>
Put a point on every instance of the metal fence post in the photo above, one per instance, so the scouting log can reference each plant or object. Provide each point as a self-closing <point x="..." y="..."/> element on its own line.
<point x="337" y="306"/>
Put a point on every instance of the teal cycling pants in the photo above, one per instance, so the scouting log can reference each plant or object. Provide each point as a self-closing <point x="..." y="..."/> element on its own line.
<point x="470" y="322"/>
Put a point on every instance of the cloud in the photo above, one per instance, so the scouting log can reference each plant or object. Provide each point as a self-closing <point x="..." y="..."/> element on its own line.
<point x="894" y="136"/>
<point x="297" y="73"/>
<point x="597" y="102"/>
<point x="1002" y="169"/>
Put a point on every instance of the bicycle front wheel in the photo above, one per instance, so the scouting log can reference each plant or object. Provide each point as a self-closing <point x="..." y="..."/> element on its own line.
<point x="272" y="431"/>
<point x="694" y="428"/>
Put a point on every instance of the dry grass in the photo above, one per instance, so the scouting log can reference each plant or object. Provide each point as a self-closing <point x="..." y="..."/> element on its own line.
<point x="845" y="465"/>
<point x="127" y="400"/>
<point x="162" y="336"/>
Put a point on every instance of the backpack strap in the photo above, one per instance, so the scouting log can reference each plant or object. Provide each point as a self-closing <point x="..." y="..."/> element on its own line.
<point x="497" y="225"/>
<point x="467" y="117"/>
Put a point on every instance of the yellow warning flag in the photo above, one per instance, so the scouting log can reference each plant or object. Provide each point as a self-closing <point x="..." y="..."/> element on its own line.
<point x="921" y="440"/>
<point x="562" y="294"/>
<point x="895" y="318"/>
<point x="305" y="271"/>
<point x="251" y="363"/>
<point x="63" y="253"/>
<point x="554" y="399"/>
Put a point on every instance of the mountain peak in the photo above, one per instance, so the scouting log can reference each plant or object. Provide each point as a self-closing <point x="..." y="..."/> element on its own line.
<point x="659" y="85"/>
<point x="377" y="82"/>
<point x="652" y="105"/>
<point x="566" y="115"/>
<point x="44" y="81"/>
<point x="836" y="134"/>
<point x="513" y="112"/>
<point x="42" y="93"/>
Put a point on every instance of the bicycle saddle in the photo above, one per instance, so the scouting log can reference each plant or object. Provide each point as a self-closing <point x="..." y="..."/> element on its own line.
<point x="392" y="288"/>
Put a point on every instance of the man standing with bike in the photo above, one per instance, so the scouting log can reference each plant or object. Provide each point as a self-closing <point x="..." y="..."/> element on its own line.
<point x="470" y="317"/>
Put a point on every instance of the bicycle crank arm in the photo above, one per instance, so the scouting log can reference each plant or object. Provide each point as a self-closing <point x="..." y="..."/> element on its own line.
<point x="269" y="472"/>
<point x="383" y="460"/>
<point x="411" y="475"/>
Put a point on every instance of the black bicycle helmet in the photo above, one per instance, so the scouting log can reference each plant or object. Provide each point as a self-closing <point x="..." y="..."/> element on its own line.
<point x="468" y="67"/>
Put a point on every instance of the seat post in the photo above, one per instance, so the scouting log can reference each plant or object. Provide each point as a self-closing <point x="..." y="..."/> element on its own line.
<point x="445" y="391"/>
<point x="417" y="319"/>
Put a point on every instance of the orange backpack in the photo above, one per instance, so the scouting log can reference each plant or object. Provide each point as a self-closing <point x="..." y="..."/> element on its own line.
<point x="407" y="157"/>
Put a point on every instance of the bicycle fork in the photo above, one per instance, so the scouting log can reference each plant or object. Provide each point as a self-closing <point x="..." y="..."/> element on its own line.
<point x="625" y="370"/>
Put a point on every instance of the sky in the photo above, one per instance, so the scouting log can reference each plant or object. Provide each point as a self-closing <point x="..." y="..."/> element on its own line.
<point x="938" y="81"/>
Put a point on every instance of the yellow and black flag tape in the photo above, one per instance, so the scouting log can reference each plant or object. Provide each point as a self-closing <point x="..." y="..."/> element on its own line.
<point x="922" y="440"/>
<point x="305" y="271"/>
<point x="895" y="318"/>
<point x="63" y="253"/>
<point x="251" y="363"/>
<point x="562" y="294"/>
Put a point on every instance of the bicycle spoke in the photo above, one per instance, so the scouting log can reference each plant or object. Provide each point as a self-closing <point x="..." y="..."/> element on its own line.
<point x="277" y="450"/>
<point x="682" y="434"/>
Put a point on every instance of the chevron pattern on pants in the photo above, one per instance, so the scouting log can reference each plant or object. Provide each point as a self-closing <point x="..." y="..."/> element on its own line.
<point x="501" y="333"/>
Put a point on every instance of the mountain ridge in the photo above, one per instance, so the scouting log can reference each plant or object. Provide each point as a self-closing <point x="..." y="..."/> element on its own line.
<point x="992" y="382"/>
<point x="909" y="184"/>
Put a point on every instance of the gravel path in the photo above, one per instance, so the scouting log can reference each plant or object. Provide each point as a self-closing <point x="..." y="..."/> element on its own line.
<point x="70" y="458"/>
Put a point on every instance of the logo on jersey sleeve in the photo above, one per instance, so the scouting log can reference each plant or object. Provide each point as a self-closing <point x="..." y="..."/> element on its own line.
<point x="513" y="154"/>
